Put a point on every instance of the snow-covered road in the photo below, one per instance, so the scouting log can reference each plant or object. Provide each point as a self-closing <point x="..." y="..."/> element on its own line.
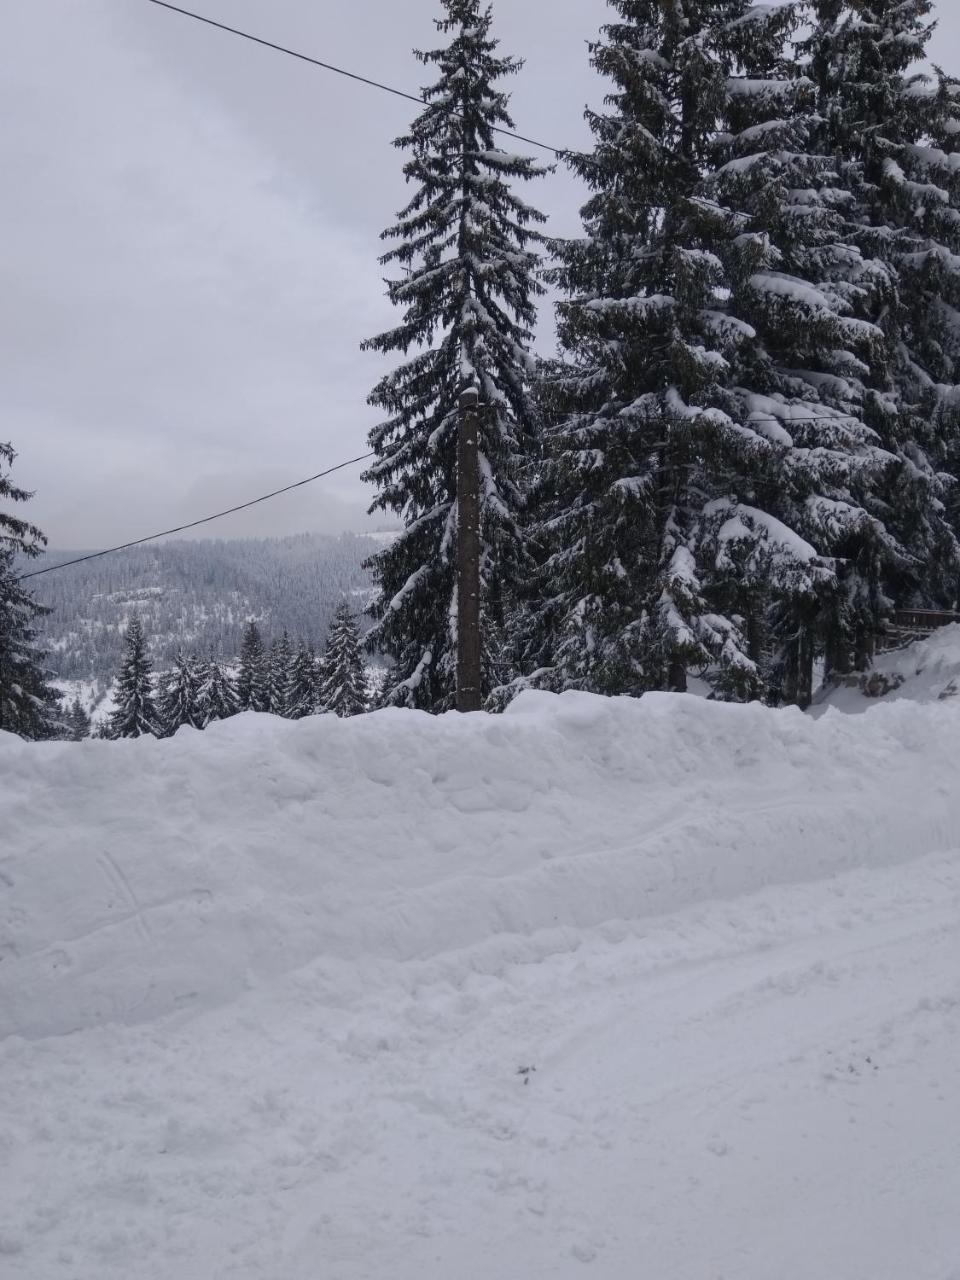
<point x="758" y="1077"/>
<point x="770" y="1087"/>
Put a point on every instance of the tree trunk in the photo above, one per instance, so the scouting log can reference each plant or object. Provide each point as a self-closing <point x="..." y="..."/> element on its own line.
<point x="677" y="676"/>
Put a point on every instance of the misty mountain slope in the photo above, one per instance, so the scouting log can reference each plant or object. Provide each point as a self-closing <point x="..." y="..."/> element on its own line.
<point x="198" y="595"/>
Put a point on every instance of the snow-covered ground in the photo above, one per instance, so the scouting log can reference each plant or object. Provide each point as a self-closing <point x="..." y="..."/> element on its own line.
<point x="626" y="989"/>
<point x="95" y="696"/>
<point x="926" y="671"/>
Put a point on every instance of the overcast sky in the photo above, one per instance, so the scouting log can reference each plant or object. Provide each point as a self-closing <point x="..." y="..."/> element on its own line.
<point x="189" y="233"/>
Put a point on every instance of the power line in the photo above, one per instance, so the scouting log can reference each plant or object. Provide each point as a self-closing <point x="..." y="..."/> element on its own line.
<point x="96" y="555"/>
<point x="299" y="484"/>
<point x="341" y="71"/>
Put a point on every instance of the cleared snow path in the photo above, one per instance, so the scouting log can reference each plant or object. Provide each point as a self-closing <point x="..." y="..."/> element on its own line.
<point x="666" y="989"/>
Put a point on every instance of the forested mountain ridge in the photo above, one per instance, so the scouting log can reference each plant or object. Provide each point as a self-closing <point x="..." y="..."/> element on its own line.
<point x="197" y="596"/>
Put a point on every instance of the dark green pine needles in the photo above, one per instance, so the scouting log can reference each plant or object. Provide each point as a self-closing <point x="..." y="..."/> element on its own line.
<point x="465" y="249"/>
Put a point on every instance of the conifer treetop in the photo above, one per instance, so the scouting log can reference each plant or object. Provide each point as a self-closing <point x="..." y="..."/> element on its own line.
<point x="16" y="534"/>
<point x="343" y="688"/>
<point x="136" y="713"/>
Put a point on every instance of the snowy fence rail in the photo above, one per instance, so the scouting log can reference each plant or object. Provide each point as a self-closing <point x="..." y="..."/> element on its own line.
<point x="915" y="624"/>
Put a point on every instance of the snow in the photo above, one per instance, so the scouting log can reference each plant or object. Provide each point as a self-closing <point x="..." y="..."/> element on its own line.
<point x="606" y="987"/>
<point x="772" y="89"/>
<point x="790" y="288"/>
<point x="750" y="525"/>
<point x="928" y="669"/>
<point x="96" y="697"/>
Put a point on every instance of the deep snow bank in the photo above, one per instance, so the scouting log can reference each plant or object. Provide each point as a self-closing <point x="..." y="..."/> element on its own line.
<point x="140" y="878"/>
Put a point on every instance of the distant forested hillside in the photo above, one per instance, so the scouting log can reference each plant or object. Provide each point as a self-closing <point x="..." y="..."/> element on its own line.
<point x="197" y="595"/>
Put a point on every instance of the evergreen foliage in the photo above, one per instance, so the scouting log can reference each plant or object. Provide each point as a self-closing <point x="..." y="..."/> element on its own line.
<point x="895" y="133"/>
<point x="180" y="698"/>
<point x="280" y="682"/>
<point x="344" y="688"/>
<point x="29" y="706"/>
<point x="806" y="381"/>
<point x="78" y="723"/>
<point x="302" y="694"/>
<point x="136" y="713"/>
<point x="253" y="684"/>
<point x="713" y="490"/>
<point x="464" y="244"/>
<point x="642" y="403"/>
<point x="217" y="697"/>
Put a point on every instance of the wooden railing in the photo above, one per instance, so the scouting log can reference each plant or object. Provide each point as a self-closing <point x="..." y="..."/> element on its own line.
<point x="924" y="619"/>
<point x="914" y="624"/>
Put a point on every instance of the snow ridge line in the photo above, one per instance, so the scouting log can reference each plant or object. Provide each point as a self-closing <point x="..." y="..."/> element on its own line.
<point x="452" y="845"/>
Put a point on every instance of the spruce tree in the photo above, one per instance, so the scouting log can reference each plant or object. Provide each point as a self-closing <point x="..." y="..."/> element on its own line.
<point x="644" y="408"/>
<point x="217" y="698"/>
<point x="464" y="245"/>
<point x="808" y="380"/>
<point x="894" y="131"/>
<point x="344" y="689"/>
<point x="136" y="713"/>
<point x="281" y="676"/>
<point x="78" y="723"/>
<point x="253" y="684"/>
<point x="709" y="463"/>
<point x="180" y="696"/>
<point x="302" y="695"/>
<point x="29" y="706"/>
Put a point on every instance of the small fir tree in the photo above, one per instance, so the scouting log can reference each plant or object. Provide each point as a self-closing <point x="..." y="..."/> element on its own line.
<point x="303" y="683"/>
<point x="136" y="713"/>
<point x="344" y="689"/>
<point x="78" y="722"/>
<point x="253" y="684"/>
<point x="464" y="244"/>
<point x="180" y="697"/>
<point x="281" y="676"/>
<point x="217" y="697"/>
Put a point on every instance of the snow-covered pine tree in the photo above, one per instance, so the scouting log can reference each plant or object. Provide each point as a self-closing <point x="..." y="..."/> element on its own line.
<point x="711" y="460"/>
<point x="78" y="722"/>
<point x="280" y="668"/>
<point x="303" y="683"/>
<point x="344" y="689"/>
<point x="647" y="429"/>
<point x="29" y="706"/>
<point x="217" y="697"/>
<point x="895" y="133"/>
<point x="136" y="713"/>
<point x="180" y="696"/>
<point x="253" y="684"/>
<point x="464" y="245"/>
<point x="806" y="537"/>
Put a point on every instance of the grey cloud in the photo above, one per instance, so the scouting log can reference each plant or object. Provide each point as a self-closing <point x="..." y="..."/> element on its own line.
<point x="189" y="237"/>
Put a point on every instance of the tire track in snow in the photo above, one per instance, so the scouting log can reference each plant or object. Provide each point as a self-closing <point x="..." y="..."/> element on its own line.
<point x="121" y="885"/>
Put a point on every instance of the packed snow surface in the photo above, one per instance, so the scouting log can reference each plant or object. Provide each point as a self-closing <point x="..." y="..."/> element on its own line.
<point x="663" y="989"/>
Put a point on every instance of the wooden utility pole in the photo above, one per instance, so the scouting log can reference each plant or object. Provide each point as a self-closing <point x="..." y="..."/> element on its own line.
<point x="468" y="554"/>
